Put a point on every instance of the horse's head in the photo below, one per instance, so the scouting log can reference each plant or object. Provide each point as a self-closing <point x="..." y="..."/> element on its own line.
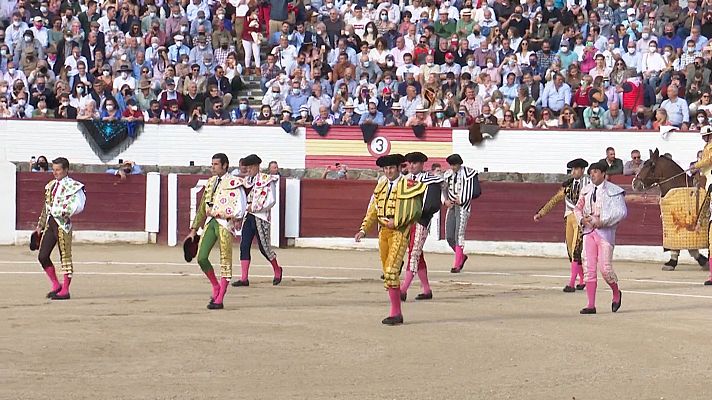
<point x="649" y="174"/>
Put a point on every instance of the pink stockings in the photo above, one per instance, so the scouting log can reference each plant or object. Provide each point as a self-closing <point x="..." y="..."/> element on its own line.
<point x="599" y="255"/>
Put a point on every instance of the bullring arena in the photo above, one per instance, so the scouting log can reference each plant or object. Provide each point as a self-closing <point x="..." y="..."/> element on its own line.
<point x="136" y="326"/>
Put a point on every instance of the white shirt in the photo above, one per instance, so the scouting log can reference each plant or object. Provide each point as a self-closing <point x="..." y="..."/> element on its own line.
<point x="652" y="62"/>
<point x="41" y="35"/>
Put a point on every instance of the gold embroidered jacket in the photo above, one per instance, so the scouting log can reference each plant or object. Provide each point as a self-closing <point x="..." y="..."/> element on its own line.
<point x="404" y="204"/>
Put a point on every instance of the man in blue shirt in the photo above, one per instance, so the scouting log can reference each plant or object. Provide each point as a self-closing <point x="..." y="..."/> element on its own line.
<point x="296" y="98"/>
<point x="373" y="116"/>
<point x="556" y="94"/>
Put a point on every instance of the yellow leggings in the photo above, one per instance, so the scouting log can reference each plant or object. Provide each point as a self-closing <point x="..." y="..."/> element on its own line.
<point x="392" y="245"/>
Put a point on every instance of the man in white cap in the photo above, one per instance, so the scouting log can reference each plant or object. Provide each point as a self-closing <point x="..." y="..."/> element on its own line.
<point x="39" y="30"/>
<point x="177" y="49"/>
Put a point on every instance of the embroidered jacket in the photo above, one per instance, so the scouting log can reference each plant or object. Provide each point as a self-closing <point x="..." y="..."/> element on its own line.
<point x="226" y="199"/>
<point x="462" y="186"/>
<point x="400" y="201"/>
<point x="63" y="199"/>
<point x="608" y="209"/>
<point x="569" y="192"/>
<point x="432" y="198"/>
<point x="261" y="197"/>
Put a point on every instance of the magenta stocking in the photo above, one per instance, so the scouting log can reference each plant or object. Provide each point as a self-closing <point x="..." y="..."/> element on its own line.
<point x="245" y="268"/>
<point x="214" y="282"/>
<point x="224" y="283"/>
<point x="579" y="268"/>
<point x="459" y="256"/>
<point x="574" y="273"/>
<point x="276" y="268"/>
<point x="65" y="285"/>
<point x="394" y="296"/>
<point x="591" y="293"/>
<point x="616" y="292"/>
<point x="407" y="280"/>
<point x="52" y="275"/>
<point x="423" y="276"/>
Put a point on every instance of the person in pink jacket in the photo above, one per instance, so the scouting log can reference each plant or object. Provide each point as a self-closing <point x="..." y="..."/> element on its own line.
<point x="600" y="208"/>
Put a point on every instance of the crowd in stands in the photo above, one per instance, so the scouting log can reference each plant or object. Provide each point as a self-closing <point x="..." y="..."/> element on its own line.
<point x="531" y="64"/>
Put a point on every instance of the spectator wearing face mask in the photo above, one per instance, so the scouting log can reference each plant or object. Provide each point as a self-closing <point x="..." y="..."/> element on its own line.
<point x="110" y="111"/>
<point x="243" y="114"/>
<point x="21" y="108"/>
<point x="64" y="109"/>
<point x="123" y="79"/>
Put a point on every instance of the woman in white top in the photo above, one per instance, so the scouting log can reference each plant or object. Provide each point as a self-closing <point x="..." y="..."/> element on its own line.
<point x="523" y="53"/>
<point x="529" y="120"/>
<point x="79" y="97"/>
<point x="548" y="120"/>
<point x="379" y="53"/>
<point x="652" y="63"/>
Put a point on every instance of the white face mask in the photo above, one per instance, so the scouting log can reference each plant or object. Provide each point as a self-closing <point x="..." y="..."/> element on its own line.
<point x="124" y="75"/>
<point x="595" y="110"/>
<point x="152" y="15"/>
<point x="601" y="4"/>
<point x="179" y="43"/>
<point x="653" y="49"/>
<point x="123" y="57"/>
<point x="15" y="23"/>
<point x="370" y="6"/>
<point x="304" y="114"/>
<point x="28" y="39"/>
<point x="266" y="114"/>
<point x="11" y="71"/>
<point x="471" y="63"/>
<point x="154" y="46"/>
<point x="384" y="17"/>
<point x="564" y="49"/>
<point x="389" y="63"/>
<point x="631" y="50"/>
<point x="369" y="30"/>
<point x="490" y="64"/>
<point x="3" y="52"/>
<point x="701" y="119"/>
<point x="65" y="103"/>
<point x="114" y="27"/>
<point x="631" y="18"/>
<point x="668" y="53"/>
<point x="105" y="73"/>
<point x="21" y="102"/>
<point x="646" y="35"/>
<point x="487" y="115"/>
<point x="690" y="49"/>
<point x="109" y="107"/>
<point x="135" y="108"/>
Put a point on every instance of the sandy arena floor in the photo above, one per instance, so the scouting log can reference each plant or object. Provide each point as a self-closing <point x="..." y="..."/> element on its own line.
<point x="137" y="328"/>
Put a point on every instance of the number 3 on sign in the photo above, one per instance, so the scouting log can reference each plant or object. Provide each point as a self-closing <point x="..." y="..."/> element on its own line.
<point x="379" y="146"/>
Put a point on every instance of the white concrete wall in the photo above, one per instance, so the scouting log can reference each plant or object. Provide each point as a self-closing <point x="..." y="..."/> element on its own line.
<point x="157" y="145"/>
<point x="548" y="151"/>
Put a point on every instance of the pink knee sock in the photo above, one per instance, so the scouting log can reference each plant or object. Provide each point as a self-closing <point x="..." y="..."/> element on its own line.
<point x="579" y="269"/>
<point x="394" y="296"/>
<point x="616" y="292"/>
<point x="407" y="280"/>
<point x="214" y="282"/>
<point x="245" y="267"/>
<point x="224" y="283"/>
<point x="423" y="276"/>
<point x="65" y="285"/>
<point x="591" y="293"/>
<point x="276" y="268"/>
<point x="459" y="256"/>
<point x="52" y="275"/>
<point x="574" y="273"/>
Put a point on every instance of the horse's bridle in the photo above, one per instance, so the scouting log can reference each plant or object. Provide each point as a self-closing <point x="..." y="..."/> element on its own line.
<point x="658" y="183"/>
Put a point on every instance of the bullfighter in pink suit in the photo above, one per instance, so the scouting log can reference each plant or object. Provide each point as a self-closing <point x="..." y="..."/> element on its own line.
<point x="601" y="206"/>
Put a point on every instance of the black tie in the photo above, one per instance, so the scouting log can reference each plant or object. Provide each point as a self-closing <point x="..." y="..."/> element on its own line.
<point x="576" y="188"/>
<point x="390" y="187"/>
<point x="593" y="196"/>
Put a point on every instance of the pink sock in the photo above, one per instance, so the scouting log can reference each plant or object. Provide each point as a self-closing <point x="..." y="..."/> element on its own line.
<point x="394" y="296"/>
<point x="65" y="285"/>
<point x="224" y="283"/>
<point x="407" y="281"/>
<point x="276" y="268"/>
<point x="52" y="275"/>
<point x="214" y="282"/>
<point x="579" y="268"/>
<point x="574" y="273"/>
<point x="245" y="267"/>
<point x="616" y="292"/>
<point x="459" y="256"/>
<point x="591" y="293"/>
<point x="423" y="276"/>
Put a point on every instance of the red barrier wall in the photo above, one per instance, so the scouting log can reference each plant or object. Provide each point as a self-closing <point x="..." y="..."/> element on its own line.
<point x="111" y="205"/>
<point x="503" y="213"/>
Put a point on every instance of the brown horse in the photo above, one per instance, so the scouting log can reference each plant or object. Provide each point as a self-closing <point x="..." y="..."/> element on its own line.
<point x="664" y="173"/>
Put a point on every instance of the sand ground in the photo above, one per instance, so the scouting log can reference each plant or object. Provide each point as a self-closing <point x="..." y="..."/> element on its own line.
<point x="137" y="327"/>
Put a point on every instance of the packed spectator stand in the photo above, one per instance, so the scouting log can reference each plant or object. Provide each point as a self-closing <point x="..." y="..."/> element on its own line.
<point x="585" y="64"/>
